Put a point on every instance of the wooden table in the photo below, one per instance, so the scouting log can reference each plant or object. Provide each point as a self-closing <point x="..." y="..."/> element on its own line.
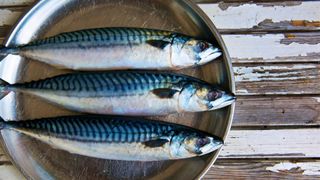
<point x="275" y="48"/>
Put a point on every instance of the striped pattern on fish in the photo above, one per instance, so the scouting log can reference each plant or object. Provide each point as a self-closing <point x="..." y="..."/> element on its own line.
<point x="118" y="48"/>
<point x="127" y="93"/>
<point x="118" y="138"/>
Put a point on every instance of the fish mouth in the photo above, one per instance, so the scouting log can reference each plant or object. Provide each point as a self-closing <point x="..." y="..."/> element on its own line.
<point x="212" y="146"/>
<point x="209" y="55"/>
<point x="225" y="100"/>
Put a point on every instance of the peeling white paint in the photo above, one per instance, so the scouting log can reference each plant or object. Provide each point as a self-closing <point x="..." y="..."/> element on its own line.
<point x="266" y="47"/>
<point x="262" y="73"/>
<point x="309" y="168"/>
<point x="15" y="2"/>
<point x="8" y="17"/>
<point x="10" y="172"/>
<point x="249" y="15"/>
<point x="317" y="99"/>
<point x="242" y="91"/>
<point x="272" y="143"/>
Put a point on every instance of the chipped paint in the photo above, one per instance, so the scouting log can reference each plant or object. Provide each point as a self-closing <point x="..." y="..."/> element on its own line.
<point x="268" y="24"/>
<point x="300" y="38"/>
<point x="225" y="6"/>
<point x="273" y="73"/>
<point x="302" y="142"/>
<point x="8" y="17"/>
<point x="267" y="46"/>
<point x="242" y="91"/>
<point x="15" y="2"/>
<point x="317" y="99"/>
<point x="10" y="172"/>
<point x="308" y="168"/>
<point x="248" y="15"/>
<point x="305" y="23"/>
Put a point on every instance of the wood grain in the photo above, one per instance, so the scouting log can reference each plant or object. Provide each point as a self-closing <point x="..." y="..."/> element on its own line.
<point x="277" y="111"/>
<point x="277" y="79"/>
<point x="277" y="143"/>
<point x="263" y="169"/>
<point x="6" y="3"/>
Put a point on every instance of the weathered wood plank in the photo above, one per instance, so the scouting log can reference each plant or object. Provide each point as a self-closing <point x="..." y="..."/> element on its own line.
<point x="281" y="47"/>
<point x="277" y="111"/>
<point x="279" y="143"/>
<point x="277" y="79"/>
<point x="272" y="16"/>
<point x="290" y="47"/>
<point x="9" y="15"/>
<point x="16" y="2"/>
<point x="282" y="143"/>
<point x="226" y="169"/>
<point x="262" y="169"/>
<point x="8" y="171"/>
<point x="235" y="17"/>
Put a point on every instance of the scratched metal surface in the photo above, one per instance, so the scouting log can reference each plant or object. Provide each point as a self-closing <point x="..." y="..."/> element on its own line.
<point x="39" y="161"/>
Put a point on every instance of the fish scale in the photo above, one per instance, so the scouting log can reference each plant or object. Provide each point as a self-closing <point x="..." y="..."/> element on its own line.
<point x="116" y="80"/>
<point x="98" y="128"/>
<point x="102" y="34"/>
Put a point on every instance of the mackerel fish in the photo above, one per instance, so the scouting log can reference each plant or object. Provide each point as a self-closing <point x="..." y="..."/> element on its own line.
<point x="118" y="48"/>
<point x="118" y="138"/>
<point x="136" y="93"/>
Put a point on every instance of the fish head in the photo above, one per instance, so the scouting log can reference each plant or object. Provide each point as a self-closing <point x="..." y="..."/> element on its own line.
<point x="194" y="52"/>
<point x="197" y="97"/>
<point x="195" y="144"/>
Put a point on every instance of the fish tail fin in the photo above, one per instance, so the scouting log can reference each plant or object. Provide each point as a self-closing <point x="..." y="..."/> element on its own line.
<point x="4" y="51"/>
<point x="3" y="88"/>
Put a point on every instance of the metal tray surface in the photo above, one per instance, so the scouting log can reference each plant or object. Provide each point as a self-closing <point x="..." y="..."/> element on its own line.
<point x="40" y="161"/>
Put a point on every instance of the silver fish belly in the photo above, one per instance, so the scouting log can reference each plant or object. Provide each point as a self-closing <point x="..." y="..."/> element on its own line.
<point x="123" y="92"/>
<point x="115" y="138"/>
<point x="118" y="48"/>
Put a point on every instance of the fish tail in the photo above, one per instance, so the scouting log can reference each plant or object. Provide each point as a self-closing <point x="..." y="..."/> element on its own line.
<point x="4" y="51"/>
<point x="4" y="90"/>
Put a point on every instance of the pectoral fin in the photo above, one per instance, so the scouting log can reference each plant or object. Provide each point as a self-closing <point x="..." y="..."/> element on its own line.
<point x="161" y="44"/>
<point x="164" y="92"/>
<point x="156" y="143"/>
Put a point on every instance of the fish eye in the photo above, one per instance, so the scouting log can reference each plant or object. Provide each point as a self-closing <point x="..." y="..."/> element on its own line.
<point x="213" y="95"/>
<point x="202" y="142"/>
<point x="202" y="45"/>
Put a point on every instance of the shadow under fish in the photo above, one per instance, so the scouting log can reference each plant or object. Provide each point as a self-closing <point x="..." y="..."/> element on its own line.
<point x="118" y="138"/>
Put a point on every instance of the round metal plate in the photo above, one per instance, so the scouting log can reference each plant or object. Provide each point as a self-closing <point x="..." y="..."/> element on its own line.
<point x="38" y="160"/>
